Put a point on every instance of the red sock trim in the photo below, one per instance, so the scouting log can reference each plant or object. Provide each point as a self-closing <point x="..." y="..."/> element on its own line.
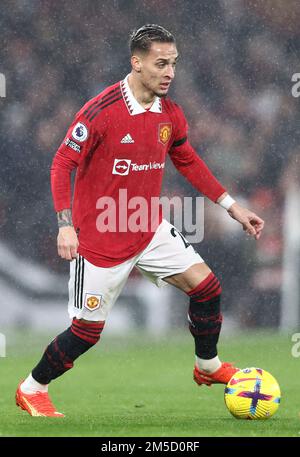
<point x="206" y="289"/>
<point x="87" y="331"/>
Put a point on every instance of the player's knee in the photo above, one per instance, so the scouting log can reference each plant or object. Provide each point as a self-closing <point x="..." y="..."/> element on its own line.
<point x="208" y="288"/>
<point x="85" y="321"/>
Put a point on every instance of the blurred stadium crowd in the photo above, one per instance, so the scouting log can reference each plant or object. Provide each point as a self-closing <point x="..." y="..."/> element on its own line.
<point x="233" y="81"/>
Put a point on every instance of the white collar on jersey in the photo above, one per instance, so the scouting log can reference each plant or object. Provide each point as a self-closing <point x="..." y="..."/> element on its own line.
<point x="133" y="105"/>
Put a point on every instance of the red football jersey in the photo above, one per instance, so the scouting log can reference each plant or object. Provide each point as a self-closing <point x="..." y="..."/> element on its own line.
<point x="119" y="150"/>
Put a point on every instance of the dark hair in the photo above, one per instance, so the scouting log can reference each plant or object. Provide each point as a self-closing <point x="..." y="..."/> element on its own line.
<point x="141" y="39"/>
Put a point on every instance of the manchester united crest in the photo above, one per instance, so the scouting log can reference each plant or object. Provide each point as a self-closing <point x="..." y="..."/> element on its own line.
<point x="92" y="302"/>
<point x="164" y="132"/>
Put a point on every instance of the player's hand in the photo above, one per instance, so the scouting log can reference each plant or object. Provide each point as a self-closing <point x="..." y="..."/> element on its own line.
<point x="67" y="243"/>
<point x="252" y="224"/>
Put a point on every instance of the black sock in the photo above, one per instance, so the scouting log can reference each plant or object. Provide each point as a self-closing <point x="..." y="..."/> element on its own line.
<point x="65" y="348"/>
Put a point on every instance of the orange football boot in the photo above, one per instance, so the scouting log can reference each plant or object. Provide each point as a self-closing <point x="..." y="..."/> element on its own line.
<point x="38" y="404"/>
<point x="221" y="376"/>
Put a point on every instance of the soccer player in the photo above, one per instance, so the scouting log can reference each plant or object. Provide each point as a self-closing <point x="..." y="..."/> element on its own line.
<point x="118" y="143"/>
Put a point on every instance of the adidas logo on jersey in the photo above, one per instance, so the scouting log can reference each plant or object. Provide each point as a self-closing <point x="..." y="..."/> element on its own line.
<point x="127" y="139"/>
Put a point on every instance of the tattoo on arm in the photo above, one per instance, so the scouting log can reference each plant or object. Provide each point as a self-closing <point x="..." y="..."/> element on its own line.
<point x="64" y="218"/>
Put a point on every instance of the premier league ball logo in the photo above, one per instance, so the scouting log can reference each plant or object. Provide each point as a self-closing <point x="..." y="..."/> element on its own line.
<point x="80" y="132"/>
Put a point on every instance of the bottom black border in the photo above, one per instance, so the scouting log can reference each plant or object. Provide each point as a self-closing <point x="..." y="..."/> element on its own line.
<point x="142" y="445"/>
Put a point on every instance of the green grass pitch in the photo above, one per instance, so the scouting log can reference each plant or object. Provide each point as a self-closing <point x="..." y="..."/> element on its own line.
<point x="143" y="387"/>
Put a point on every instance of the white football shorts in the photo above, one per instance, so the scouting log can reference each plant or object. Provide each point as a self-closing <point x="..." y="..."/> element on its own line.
<point x="94" y="290"/>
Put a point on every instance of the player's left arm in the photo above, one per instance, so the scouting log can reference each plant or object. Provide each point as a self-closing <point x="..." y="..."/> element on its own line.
<point x="190" y="165"/>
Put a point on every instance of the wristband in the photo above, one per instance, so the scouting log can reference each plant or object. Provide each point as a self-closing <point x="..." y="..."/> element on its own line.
<point x="227" y="202"/>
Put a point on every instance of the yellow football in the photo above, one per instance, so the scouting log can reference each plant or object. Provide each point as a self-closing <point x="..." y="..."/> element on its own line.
<point x="252" y="393"/>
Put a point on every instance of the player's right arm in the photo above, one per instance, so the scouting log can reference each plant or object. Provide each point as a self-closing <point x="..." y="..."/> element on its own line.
<point x="67" y="240"/>
<point x="80" y="139"/>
